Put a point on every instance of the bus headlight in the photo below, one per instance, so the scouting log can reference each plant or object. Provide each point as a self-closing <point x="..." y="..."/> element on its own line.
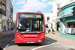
<point x="19" y="37"/>
<point x="41" y="36"/>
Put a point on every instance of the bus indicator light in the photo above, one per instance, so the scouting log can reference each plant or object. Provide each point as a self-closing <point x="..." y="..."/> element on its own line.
<point x="42" y="33"/>
<point x="40" y="41"/>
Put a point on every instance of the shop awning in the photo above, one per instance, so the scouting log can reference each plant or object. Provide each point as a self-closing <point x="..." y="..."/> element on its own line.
<point x="46" y="24"/>
<point x="58" y="20"/>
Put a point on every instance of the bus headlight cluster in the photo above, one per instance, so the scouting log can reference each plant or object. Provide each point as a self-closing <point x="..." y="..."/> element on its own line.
<point x="19" y="37"/>
<point x="41" y="36"/>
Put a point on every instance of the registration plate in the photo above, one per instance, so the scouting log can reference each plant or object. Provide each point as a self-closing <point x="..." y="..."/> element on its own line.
<point x="30" y="42"/>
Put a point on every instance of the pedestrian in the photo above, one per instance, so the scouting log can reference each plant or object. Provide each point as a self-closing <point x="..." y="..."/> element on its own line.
<point x="12" y="27"/>
<point x="47" y="29"/>
<point x="4" y="28"/>
<point x="52" y="30"/>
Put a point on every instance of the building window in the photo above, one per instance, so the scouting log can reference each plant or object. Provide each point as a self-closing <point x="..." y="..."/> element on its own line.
<point x="58" y="8"/>
<point x="47" y="18"/>
<point x="69" y="28"/>
<point x="3" y="10"/>
<point x="70" y="24"/>
<point x="2" y="0"/>
<point x="3" y="7"/>
<point x="58" y="5"/>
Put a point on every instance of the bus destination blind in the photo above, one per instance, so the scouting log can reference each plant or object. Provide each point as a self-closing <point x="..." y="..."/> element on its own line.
<point x="30" y="16"/>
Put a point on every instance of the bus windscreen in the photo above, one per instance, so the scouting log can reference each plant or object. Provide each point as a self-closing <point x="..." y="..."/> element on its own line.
<point x="30" y="23"/>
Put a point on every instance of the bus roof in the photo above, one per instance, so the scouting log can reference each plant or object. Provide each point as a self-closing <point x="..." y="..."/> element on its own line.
<point x="30" y="12"/>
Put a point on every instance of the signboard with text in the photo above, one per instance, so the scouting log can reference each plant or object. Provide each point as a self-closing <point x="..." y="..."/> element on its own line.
<point x="30" y="15"/>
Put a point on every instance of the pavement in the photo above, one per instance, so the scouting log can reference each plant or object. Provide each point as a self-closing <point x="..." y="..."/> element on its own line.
<point x="7" y="32"/>
<point x="7" y="37"/>
<point x="61" y="40"/>
<point x="54" y="46"/>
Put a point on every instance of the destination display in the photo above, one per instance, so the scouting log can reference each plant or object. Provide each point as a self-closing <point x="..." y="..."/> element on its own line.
<point x="30" y="16"/>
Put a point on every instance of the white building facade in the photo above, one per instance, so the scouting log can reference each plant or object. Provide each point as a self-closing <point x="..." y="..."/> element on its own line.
<point x="56" y="6"/>
<point x="48" y="19"/>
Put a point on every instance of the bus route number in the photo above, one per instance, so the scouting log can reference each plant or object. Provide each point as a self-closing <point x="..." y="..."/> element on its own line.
<point x="38" y="16"/>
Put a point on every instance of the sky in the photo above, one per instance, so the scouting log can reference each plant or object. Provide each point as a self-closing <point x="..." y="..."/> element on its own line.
<point x="45" y="6"/>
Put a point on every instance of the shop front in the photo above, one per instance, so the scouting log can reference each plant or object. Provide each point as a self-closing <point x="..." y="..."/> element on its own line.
<point x="67" y="21"/>
<point x="2" y="22"/>
<point x="9" y="23"/>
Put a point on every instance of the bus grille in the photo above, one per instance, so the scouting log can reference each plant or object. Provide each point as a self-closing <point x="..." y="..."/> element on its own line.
<point x="30" y="37"/>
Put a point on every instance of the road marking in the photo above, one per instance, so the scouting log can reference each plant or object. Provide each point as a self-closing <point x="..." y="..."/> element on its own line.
<point x="13" y="40"/>
<point x="8" y="44"/>
<point x="66" y="46"/>
<point x="42" y="46"/>
<point x="6" y="47"/>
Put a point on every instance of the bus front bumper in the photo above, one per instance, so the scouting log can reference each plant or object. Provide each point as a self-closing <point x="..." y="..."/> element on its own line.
<point x="17" y="40"/>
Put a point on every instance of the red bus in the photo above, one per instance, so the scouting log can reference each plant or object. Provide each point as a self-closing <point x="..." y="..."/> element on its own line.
<point x="29" y="27"/>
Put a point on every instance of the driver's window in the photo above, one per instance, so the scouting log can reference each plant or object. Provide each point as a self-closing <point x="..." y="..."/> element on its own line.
<point x="20" y="24"/>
